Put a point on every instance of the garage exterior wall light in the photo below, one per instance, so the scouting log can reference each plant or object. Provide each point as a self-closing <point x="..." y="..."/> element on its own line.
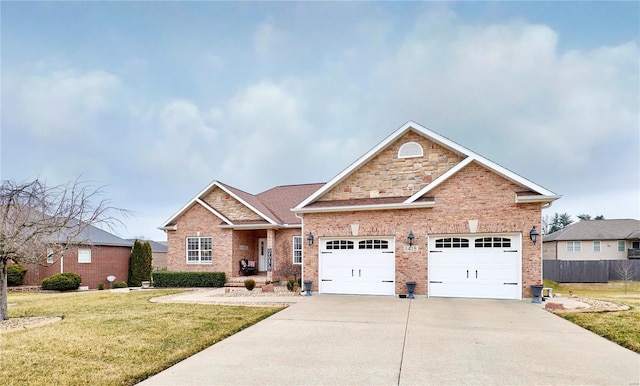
<point x="411" y="237"/>
<point x="310" y="239"/>
<point x="533" y="235"/>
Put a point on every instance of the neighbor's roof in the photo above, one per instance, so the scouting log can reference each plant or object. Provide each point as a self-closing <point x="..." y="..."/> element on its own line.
<point x="93" y="235"/>
<point x="273" y="205"/>
<point x="156" y="246"/>
<point x="624" y="229"/>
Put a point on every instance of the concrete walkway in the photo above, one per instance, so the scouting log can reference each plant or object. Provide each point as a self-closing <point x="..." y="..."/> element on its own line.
<point x="371" y="340"/>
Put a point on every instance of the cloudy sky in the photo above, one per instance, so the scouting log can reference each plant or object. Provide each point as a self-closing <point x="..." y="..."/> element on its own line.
<point x="157" y="99"/>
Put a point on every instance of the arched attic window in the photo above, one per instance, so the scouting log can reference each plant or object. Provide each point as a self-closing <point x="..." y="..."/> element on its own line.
<point x="410" y="150"/>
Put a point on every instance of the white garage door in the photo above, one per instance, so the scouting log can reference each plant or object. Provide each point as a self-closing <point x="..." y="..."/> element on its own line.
<point x="357" y="266"/>
<point x="478" y="266"/>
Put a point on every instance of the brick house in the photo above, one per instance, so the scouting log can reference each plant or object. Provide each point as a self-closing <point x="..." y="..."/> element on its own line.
<point x="95" y="255"/>
<point x="417" y="207"/>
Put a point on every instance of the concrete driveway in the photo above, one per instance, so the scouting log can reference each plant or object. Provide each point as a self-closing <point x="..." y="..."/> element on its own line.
<point x="371" y="340"/>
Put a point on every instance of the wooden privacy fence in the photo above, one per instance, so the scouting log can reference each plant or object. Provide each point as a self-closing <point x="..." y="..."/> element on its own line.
<point x="586" y="271"/>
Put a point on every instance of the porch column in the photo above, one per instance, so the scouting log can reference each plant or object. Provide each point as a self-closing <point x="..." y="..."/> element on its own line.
<point x="271" y="246"/>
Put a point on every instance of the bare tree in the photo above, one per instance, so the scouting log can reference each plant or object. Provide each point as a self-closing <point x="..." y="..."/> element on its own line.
<point x="36" y="220"/>
<point x="626" y="272"/>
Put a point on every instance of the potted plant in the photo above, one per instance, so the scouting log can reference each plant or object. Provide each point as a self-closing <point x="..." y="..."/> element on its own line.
<point x="536" y="289"/>
<point x="307" y="287"/>
<point x="411" y="286"/>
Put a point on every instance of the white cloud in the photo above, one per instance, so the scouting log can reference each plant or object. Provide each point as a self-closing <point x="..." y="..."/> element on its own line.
<point x="263" y="126"/>
<point x="183" y="147"/>
<point x="506" y="91"/>
<point x="265" y="38"/>
<point x="64" y="102"/>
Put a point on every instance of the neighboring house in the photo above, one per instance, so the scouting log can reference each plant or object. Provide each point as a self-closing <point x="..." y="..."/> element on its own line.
<point x="95" y="255"/>
<point x="594" y="240"/>
<point x="417" y="207"/>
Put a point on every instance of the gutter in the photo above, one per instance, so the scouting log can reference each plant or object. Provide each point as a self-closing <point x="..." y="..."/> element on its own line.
<point x="259" y="226"/>
<point x="359" y="208"/>
<point x="529" y="199"/>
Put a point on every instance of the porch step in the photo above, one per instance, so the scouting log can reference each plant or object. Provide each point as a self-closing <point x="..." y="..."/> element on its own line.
<point x="238" y="281"/>
<point x="241" y="285"/>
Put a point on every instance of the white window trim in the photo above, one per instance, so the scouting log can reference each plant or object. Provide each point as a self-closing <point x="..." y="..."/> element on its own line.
<point x="50" y="259"/>
<point x="410" y="150"/>
<point x="623" y="244"/>
<point x="87" y="253"/>
<point x="294" y="249"/>
<point x="200" y="250"/>
<point x="597" y="246"/>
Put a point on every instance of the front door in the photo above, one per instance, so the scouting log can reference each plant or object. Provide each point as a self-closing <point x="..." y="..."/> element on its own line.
<point x="262" y="254"/>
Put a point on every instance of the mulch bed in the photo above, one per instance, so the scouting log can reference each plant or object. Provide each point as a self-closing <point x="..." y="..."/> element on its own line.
<point x="595" y="305"/>
<point x="18" y="324"/>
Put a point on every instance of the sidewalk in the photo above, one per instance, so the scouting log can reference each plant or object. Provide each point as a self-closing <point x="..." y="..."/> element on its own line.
<point x="220" y="296"/>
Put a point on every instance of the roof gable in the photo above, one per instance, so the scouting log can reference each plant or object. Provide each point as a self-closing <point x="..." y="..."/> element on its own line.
<point x="396" y="175"/>
<point x="405" y="133"/>
<point x="235" y="207"/>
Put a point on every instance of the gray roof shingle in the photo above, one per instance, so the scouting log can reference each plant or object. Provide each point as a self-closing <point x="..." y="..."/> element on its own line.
<point x="624" y="229"/>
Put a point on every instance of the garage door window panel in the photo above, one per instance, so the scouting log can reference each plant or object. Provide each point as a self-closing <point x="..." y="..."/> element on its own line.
<point x="373" y="244"/>
<point x="493" y="242"/>
<point x="339" y="244"/>
<point x="452" y="242"/>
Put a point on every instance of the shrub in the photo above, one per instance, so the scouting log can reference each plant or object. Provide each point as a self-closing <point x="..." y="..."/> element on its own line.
<point x="15" y="274"/>
<point x="66" y="281"/>
<point x="290" y="271"/>
<point x="250" y="284"/>
<point x="188" y="279"/>
<point x="120" y="284"/>
<point x="100" y="286"/>
<point x="291" y="284"/>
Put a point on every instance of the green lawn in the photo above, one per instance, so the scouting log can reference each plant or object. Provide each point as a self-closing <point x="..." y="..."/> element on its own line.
<point x="621" y="327"/>
<point x="108" y="338"/>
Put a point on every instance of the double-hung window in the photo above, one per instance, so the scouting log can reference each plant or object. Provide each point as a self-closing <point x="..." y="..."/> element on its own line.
<point x="596" y="246"/>
<point x="199" y="250"/>
<point x="84" y="255"/>
<point x="621" y="246"/>
<point x="297" y="249"/>
<point x="574" y="246"/>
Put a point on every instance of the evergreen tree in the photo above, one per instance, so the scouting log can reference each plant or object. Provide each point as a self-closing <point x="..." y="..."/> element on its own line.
<point x="148" y="261"/>
<point x="136" y="265"/>
<point x="559" y="222"/>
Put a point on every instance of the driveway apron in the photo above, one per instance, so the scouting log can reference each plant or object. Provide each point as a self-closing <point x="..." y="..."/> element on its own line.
<point x="375" y="340"/>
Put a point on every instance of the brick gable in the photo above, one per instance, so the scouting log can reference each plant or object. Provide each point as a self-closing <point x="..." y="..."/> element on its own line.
<point x="386" y="175"/>
<point x="229" y="206"/>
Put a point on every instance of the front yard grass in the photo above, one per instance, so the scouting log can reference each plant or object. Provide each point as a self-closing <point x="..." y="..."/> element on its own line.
<point x="621" y="327"/>
<point x="107" y="338"/>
